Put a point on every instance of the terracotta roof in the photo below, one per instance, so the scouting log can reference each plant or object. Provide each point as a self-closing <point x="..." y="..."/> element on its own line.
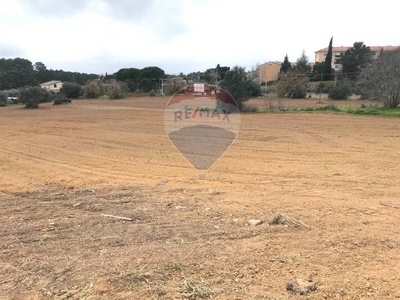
<point x="272" y="62"/>
<point x="373" y="48"/>
<point x="385" y="48"/>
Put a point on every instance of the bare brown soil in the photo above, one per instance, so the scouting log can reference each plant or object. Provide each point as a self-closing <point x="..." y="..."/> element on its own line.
<point x="65" y="169"/>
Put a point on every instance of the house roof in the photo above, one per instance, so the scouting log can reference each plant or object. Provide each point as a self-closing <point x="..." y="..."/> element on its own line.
<point x="373" y="48"/>
<point x="293" y="63"/>
<point x="50" y="82"/>
<point x="272" y="62"/>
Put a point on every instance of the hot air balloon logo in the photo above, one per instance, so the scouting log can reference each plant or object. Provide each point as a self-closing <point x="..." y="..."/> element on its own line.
<point x="202" y="122"/>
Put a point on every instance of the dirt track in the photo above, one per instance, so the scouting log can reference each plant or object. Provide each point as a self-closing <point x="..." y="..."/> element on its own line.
<point x="62" y="167"/>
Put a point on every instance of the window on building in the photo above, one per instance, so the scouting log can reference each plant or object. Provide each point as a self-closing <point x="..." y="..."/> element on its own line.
<point x="55" y="85"/>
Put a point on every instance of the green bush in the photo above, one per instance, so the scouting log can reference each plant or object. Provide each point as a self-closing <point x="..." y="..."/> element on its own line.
<point x="3" y="99"/>
<point x="324" y="87"/>
<point x="254" y="89"/>
<point x="341" y="91"/>
<point x="71" y="89"/>
<point x="298" y="92"/>
<point x="250" y="109"/>
<point x="94" y="89"/>
<point x="330" y="106"/>
<point x="146" y="85"/>
<point x="152" y="93"/>
<point x="61" y="99"/>
<point x="32" y="96"/>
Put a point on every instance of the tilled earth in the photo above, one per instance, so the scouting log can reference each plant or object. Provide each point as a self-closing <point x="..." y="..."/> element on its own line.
<point x="96" y="203"/>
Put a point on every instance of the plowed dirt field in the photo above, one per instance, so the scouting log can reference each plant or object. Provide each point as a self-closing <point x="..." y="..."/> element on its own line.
<point x="67" y="171"/>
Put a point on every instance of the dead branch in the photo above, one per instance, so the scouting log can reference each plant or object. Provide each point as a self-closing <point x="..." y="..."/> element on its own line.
<point x="286" y="220"/>
<point x="117" y="217"/>
<point x="389" y="205"/>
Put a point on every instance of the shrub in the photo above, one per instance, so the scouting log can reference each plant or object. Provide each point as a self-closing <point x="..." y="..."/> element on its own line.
<point x="93" y="89"/>
<point x="152" y="93"/>
<point x="3" y="99"/>
<point x="174" y="85"/>
<point x="146" y="85"/>
<point x="13" y="93"/>
<point x="250" y="109"/>
<point x="61" y="99"/>
<point x="32" y="96"/>
<point x="298" y="92"/>
<point x="324" y="87"/>
<point x="254" y="89"/>
<point x="71" y="90"/>
<point x="341" y="91"/>
<point x="292" y="85"/>
<point x="116" y="89"/>
<point x="330" y="106"/>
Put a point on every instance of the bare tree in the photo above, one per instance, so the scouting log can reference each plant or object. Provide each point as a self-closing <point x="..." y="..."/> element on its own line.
<point x="174" y="85"/>
<point x="381" y="79"/>
<point x="254" y="71"/>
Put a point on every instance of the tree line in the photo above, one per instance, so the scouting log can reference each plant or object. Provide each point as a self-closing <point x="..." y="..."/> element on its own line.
<point x="19" y="72"/>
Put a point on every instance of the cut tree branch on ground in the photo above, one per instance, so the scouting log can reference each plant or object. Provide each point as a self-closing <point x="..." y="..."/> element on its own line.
<point x="288" y="221"/>
<point x="117" y="217"/>
<point x="389" y="205"/>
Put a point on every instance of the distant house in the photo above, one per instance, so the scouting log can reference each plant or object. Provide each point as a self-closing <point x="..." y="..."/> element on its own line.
<point x="338" y="51"/>
<point x="269" y="71"/>
<point x="53" y="86"/>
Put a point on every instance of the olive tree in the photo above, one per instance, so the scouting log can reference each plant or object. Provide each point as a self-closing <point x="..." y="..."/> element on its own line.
<point x="381" y="79"/>
<point x="32" y="96"/>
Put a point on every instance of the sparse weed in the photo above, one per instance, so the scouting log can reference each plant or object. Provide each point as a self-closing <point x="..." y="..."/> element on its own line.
<point x="330" y="107"/>
<point x="158" y="294"/>
<point x="138" y="276"/>
<point x="202" y="290"/>
<point x="174" y="267"/>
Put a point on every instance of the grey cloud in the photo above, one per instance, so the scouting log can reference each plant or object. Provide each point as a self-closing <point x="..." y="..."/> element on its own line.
<point x="161" y="17"/>
<point x="120" y="9"/>
<point x="10" y="51"/>
<point x="54" y="8"/>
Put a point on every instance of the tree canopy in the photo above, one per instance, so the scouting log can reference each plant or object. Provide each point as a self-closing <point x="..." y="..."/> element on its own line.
<point x="355" y="59"/>
<point x="20" y="72"/>
<point x="238" y="85"/>
<point x="302" y="64"/>
<point x="146" y="79"/>
<point x="286" y="65"/>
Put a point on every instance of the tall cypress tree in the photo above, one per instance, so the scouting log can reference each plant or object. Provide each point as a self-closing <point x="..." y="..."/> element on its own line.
<point x="286" y="65"/>
<point x="328" y="62"/>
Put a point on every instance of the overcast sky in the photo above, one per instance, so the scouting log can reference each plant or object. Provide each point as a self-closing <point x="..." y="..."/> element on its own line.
<point x="99" y="36"/>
